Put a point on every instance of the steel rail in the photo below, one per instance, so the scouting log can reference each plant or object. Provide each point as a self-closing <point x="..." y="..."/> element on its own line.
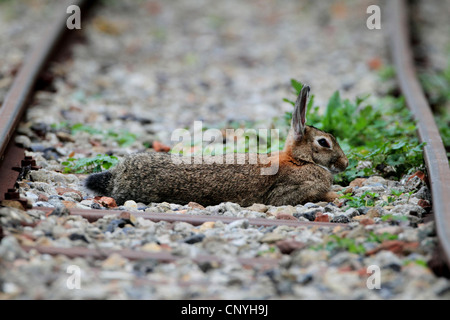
<point x="15" y="102"/>
<point x="434" y="152"/>
<point x="93" y="215"/>
<point x="162" y="256"/>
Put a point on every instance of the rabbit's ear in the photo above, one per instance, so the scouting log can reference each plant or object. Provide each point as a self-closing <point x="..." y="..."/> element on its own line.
<point x="299" y="114"/>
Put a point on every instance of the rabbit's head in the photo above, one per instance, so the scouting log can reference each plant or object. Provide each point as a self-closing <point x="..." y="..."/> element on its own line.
<point x="310" y="144"/>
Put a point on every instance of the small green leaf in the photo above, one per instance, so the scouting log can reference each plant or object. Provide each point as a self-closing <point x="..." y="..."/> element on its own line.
<point x="298" y="86"/>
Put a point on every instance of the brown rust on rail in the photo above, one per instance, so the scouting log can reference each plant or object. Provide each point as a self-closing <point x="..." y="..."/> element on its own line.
<point x="8" y="176"/>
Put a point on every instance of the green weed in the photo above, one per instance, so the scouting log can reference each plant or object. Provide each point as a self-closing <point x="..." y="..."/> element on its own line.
<point x="367" y="199"/>
<point x="381" y="237"/>
<point x="122" y="137"/>
<point x="89" y="165"/>
<point x="347" y="244"/>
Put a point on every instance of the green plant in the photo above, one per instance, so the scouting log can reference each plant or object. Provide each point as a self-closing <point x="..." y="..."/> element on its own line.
<point x="409" y="195"/>
<point x="348" y="244"/>
<point x="386" y="73"/>
<point x="437" y="86"/>
<point x="391" y="217"/>
<point x="367" y="199"/>
<point x="443" y="123"/>
<point x="381" y="237"/>
<point x="84" y="128"/>
<point x="89" y="165"/>
<point x="418" y="262"/>
<point x="396" y="193"/>
<point x="268" y="251"/>
<point x="122" y="137"/>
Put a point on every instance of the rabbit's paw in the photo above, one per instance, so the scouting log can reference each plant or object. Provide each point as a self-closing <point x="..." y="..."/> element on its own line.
<point x="330" y="196"/>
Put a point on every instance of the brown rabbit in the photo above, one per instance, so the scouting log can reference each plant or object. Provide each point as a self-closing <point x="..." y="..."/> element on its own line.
<point x="304" y="174"/>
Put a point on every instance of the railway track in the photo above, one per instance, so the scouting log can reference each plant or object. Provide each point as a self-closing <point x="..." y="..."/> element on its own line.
<point x="13" y="156"/>
<point x="434" y="151"/>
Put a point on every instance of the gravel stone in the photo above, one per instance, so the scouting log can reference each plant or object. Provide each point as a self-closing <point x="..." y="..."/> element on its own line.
<point x="424" y="193"/>
<point x="240" y="224"/>
<point x="258" y="207"/>
<point x="341" y="219"/>
<point x="310" y="214"/>
<point x="409" y="209"/>
<point x="10" y="249"/>
<point x="352" y="212"/>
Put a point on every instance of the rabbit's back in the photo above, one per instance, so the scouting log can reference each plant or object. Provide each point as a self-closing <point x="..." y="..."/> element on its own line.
<point x="158" y="177"/>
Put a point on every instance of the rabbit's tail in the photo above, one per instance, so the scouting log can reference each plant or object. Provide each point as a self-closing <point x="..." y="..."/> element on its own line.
<point x="99" y="182"/>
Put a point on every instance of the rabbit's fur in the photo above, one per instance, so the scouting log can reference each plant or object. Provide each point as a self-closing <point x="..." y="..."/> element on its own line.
<point x="304" y="173"/>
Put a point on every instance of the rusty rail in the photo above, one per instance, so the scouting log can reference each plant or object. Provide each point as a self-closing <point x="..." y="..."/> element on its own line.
<point x="93" y="215"/>
<point x="143" y="255"/>
<point x="21" y="89"/>
<point x="434" y="151"/>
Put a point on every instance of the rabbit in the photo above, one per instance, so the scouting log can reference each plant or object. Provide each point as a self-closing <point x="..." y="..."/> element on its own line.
<point x="305" y="173"/>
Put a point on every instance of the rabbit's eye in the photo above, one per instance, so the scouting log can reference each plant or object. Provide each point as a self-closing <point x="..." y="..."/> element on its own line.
<point x="323" y="143"/>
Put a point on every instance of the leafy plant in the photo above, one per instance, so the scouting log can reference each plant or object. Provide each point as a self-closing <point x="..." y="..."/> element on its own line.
<point x="437" y="86"/>
<point x="381" y="237"/>
<point x="396" y="193"/>
<point x="391" y="217"/>
<point x="89" y="165"/>
<point x="443" y="123"/>
<point x="386" y="73"/>
<point x="348" y="244"/>
<point x="334" y="242"/>
<point x="270" y="250"/>
<point x="367" y="199"/>
<point x="418" y="262"/>
<point x="122" y="137"/>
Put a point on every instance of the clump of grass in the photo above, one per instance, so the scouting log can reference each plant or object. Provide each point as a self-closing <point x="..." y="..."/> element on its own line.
<point x="122" y="137"/>
<point x="379" y="238"/>
<point x="90" y="165"/>
<point x="367" y="199"/>
<point x="392" y="218"/>
<point x="336" y="243"/>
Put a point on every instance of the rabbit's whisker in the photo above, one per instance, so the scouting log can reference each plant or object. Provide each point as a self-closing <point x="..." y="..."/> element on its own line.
<point x="323" y="167"/>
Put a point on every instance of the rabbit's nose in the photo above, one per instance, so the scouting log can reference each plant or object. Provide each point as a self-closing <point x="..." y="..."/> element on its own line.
<point x="343" y="163"/>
